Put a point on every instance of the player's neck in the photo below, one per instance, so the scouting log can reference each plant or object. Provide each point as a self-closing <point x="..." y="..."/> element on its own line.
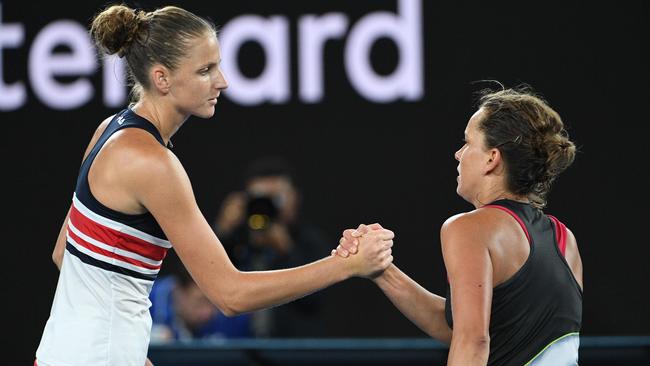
<point x="162" y="115"/>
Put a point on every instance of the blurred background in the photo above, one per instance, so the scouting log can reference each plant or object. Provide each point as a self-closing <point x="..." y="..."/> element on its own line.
<point x="366" y="102"/>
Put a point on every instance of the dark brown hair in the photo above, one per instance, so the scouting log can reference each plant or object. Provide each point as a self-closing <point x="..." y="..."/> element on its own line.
<point x="146" y="38"/>
<point x="531" y="138"/>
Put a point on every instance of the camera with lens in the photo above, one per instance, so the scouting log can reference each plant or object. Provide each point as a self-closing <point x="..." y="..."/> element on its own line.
<point x="261" y="211"/>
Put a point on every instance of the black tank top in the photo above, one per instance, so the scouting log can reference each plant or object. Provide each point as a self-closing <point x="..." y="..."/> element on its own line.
<point x="541" y="302"/>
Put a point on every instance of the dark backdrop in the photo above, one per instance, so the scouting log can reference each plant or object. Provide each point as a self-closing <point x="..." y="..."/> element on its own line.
<point x="362" y="161"/>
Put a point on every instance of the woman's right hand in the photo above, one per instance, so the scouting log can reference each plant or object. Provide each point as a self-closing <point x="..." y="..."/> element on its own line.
<point x="349" y="242"/>
<point x="373" y="252"/>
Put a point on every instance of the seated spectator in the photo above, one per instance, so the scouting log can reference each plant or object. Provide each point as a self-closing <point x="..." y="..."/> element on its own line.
<point x="180" y="310"/>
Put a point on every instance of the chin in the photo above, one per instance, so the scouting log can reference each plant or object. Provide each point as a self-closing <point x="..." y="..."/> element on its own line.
<point x="204" y="113"/>
<point x="460" y="193"/>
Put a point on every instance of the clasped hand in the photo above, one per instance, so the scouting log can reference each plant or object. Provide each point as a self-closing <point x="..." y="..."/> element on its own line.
<point x="369" y="247"/>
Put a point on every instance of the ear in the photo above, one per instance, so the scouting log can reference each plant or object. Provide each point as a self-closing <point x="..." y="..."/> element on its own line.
<point x="160" y="77"/>
<point x="494" y="161"/>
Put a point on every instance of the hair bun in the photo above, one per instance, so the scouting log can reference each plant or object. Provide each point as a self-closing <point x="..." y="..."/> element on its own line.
<point x="560" y="152"/>
<point x="115" y="29"/>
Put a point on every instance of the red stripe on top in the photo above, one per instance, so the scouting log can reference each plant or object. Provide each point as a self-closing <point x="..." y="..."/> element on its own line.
<point x="519" y="220"/>
<point x="560" y="234"/>
<point x="108" y="253"/>
<point x="115" y="238"/>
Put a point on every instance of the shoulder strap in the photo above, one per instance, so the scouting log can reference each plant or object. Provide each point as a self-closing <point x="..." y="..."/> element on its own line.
<point x="131" y="119"/>
<point x="560" y="234"/>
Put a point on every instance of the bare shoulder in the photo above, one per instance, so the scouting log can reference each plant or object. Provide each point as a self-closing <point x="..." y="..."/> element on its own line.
<point x="571" y="238"/>
<point x="477" y="221"/>
<point x="150" y="153"/>
<point x="480" y="228"/>
<point x="137" y="152"/>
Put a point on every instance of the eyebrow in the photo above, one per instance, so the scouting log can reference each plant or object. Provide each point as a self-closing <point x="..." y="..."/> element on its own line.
<point x="209" y="65"/>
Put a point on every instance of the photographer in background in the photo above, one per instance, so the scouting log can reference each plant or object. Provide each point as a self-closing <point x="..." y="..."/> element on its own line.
<point x="261" y="230"/>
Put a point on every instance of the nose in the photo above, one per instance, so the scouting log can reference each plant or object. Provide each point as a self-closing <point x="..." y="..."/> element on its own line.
<point x="221" y="82"/>
<point x="458" y="153"/>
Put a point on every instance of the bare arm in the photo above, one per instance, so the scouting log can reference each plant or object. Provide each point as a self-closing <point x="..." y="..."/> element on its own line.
<point x="469" y="268"/>
<point x="59" y="246"/>
<point x="423" y="308"/>
<point x="166" y="192"/>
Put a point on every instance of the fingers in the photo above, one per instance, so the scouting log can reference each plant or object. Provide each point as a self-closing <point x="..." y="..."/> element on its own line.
<point x="381" y="238"/>
<point x="364" y="229"/>
<point x="360" y="231"/>
<point x="347" y="245"/>
<point x="383" y="234"/>
<point x="387" y="261"/>
<point x="347" y="233"/>
<point x="349" y="242"/>
<point x="342" y="252"/>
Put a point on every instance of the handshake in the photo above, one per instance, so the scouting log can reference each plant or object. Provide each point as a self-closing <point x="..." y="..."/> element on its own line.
<point x="367" y="248"/>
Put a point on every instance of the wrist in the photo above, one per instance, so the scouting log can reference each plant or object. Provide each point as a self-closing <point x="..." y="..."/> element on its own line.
<point x="383" y="279"/>
<point x="345" y="267"/>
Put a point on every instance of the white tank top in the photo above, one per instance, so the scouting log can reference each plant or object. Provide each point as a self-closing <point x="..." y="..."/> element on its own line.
<point x="100" y="314"/>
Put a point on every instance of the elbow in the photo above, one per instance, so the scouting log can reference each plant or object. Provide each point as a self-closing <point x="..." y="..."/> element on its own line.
<point x="468" y="349"/>
<point x="482" y="342"/>
<point x="228" y="305"/>
<point x="225" y="310"/>
<point x="476" y="342"/>
<point x="233" y="304"/>
<point x="229" y="312"/>
<point x="229" y="300"/>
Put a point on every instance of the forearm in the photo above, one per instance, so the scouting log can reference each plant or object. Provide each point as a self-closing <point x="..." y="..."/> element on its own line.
<point x="469" y="351"/>
<point x="252" y="291"/>
<point x="423" y="308"/>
